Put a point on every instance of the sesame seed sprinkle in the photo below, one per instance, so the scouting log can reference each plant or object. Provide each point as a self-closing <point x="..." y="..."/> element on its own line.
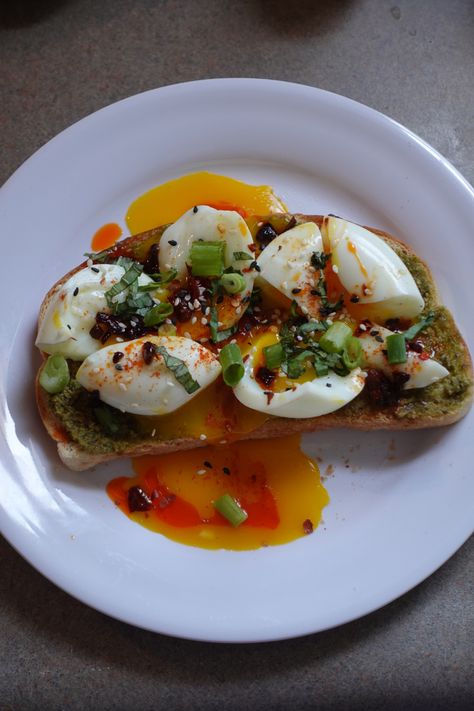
<point x="202" y="437"/>
<point x="123" y="387"/>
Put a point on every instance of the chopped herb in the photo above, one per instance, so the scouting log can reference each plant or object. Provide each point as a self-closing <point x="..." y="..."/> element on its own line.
<point x="319" y="261"/>
<point x="179" y="370"/>
<point x="157" y="314"/>
<point x="130" y="276"/>
<point x="164" y="277"/>
<point x="243" y="256"/>
<point x="419" y="326"/>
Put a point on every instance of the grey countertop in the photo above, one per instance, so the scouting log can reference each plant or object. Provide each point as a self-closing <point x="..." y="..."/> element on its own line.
<point x="59" y="61"/>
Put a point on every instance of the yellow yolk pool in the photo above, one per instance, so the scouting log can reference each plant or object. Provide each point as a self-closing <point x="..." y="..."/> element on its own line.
<point x="273" y="480"/>
<point x="167" y="202"/>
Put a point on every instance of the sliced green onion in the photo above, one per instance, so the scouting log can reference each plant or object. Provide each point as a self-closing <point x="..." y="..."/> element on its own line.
<point x="243" y="256"/>
<point x="157" y="314"/>
<point x="320" y="367"/>
<point x="163" y="277"/>
<point x="167" y="329"/>
<point x="54" y="375"/>
<point x="130" y="276"/>
<point x="396" y="348"/>
<point x="233" y="283"/>
<point x="151" y="286"/>
<point x="335" y="338"/>
<point x="293" y="368"/>
<point x="232" y="364"/>
<point x="207" y="258"/>
<point x="98" y="257"/>
<point x="273" y="355"/>
<point x="419" y="326"/>
<point x="179" y="369"/>
<point x="231" y="510"/>
<point x="352" y="353"/>
<point x="311" y="327"/>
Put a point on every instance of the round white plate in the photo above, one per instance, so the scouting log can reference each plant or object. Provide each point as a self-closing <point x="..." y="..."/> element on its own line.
<point x="401" y="504"/>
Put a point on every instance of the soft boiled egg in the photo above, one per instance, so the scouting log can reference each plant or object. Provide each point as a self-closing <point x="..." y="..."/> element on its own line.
<point x="422" y="371"/>
<point x="203" y="223"/>
<point x="369" y="269"/>
<point x="286" y="264"/>
<point x="131" y="384"/>
<point x="71" y="311"/>
<point x="307" y="396"/>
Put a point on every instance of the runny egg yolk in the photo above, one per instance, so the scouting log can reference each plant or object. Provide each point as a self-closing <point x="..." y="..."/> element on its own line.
<point x="269" y="381"/>
<point x="273" y="480"/>
<point x="167" y="202"/>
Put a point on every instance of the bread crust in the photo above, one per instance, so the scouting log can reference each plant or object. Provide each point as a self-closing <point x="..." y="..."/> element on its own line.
<point x="78" y="459"/>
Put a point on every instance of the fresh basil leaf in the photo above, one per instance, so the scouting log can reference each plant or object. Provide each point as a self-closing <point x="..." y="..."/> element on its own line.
<point x="414" y="330"/>
<point x="243" y="256"/>
<point x="157" y="314"/>
<point x="179" y="370"/>
<point x="164" y="277"/>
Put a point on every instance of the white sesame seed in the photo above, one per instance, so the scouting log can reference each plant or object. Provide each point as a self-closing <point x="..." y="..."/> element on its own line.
<point x="122" y="386"/>
<point x="186" y="334"/>
<point x="167" y="267"/>
<point x="299" y="338"/>
<point x="190" y="307"/>
<point x="335" y="268"/>
<point x="170" y="384"/>
<point x="304" y="309"/>
<point x="234" y="302"/>
<point x="96" y="370"/>
<point x="363" y="327"/>
<point x="281" y="374"/>
<point x="234" y="340"/>
<point x="204" y="340"/>
<point x="329" y="321"/>
<point x="187" y="297"/>
<point x="204" y="321"/>
<point x="168" y="321"/>
<point x="176" y="302"/>
<point x="284" y="285"/>
<point x="196" y="304"/>
<point x="119" y="339"/>
<point x="207" y="311"/>
<point x="194" y="319"/>
<point x="201" y="472"/>
<point x="220" y="323"/>
<point x="153" y="433"/>
<point x="202" y="437"/>
<point x="90" y="262"/>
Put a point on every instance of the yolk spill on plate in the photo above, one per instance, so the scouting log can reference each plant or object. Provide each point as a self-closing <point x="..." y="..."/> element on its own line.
<point x="106" y="236"/>
<point x="167" y="202"/>
<point x="273" y="480"/>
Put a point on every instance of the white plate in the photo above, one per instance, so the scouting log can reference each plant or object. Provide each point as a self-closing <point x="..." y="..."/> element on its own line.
<point x="404" y="503"/>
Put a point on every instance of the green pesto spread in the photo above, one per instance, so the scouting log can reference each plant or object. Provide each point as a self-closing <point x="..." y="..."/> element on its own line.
<point x="76" y="409"/>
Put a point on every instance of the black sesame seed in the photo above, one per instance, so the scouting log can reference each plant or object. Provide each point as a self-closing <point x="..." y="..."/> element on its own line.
<point x="253" y="265"/>
<point x="295" y="291"/>
<point x="257" y="268"/>
<point x="76" y="291"/>
<point x="354" y="299"/>
<point x="94" y="269"/>
<point x="314" y="292"/>
<point x="172" y="242"/>
<point x="379" y="339"/>
<point x="69" y="327"/>
<point x="118" y="367"/>
<point x="208" y="465"/>
<point x="226" y="470"/>
<point x="374" y="333"/>
<point x="195" y="209"/>
<point x="328" y="385"/>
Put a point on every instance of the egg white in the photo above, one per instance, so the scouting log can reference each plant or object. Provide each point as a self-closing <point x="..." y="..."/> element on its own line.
<point x="369" y="269"/>
<point x="68" y="319"/>
<point x="147" y="389"/>
<point x="310" y="399"/>
<point x="209" y="225"/>
<point x="286" y="264"/>
<point x="421" y="372"/>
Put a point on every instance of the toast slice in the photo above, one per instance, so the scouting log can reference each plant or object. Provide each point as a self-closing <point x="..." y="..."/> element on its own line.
<point x="82" y="444"/>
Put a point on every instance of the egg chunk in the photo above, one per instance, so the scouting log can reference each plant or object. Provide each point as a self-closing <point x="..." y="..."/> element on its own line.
<point x="286" y="264"/>
<point x="203" y="223"/>
<point x="131" y="384"/>
<point x="370" y="270"/>
<point x="307" y="397"/>
<point x="71" y="311"/>
<point x="422" y="372"/>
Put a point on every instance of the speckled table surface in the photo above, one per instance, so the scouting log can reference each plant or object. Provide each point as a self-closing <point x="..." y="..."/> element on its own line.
<point x="59" y="61"/>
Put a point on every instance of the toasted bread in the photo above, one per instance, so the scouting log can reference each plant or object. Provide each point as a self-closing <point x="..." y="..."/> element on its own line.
<point x="440" y="404"/>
